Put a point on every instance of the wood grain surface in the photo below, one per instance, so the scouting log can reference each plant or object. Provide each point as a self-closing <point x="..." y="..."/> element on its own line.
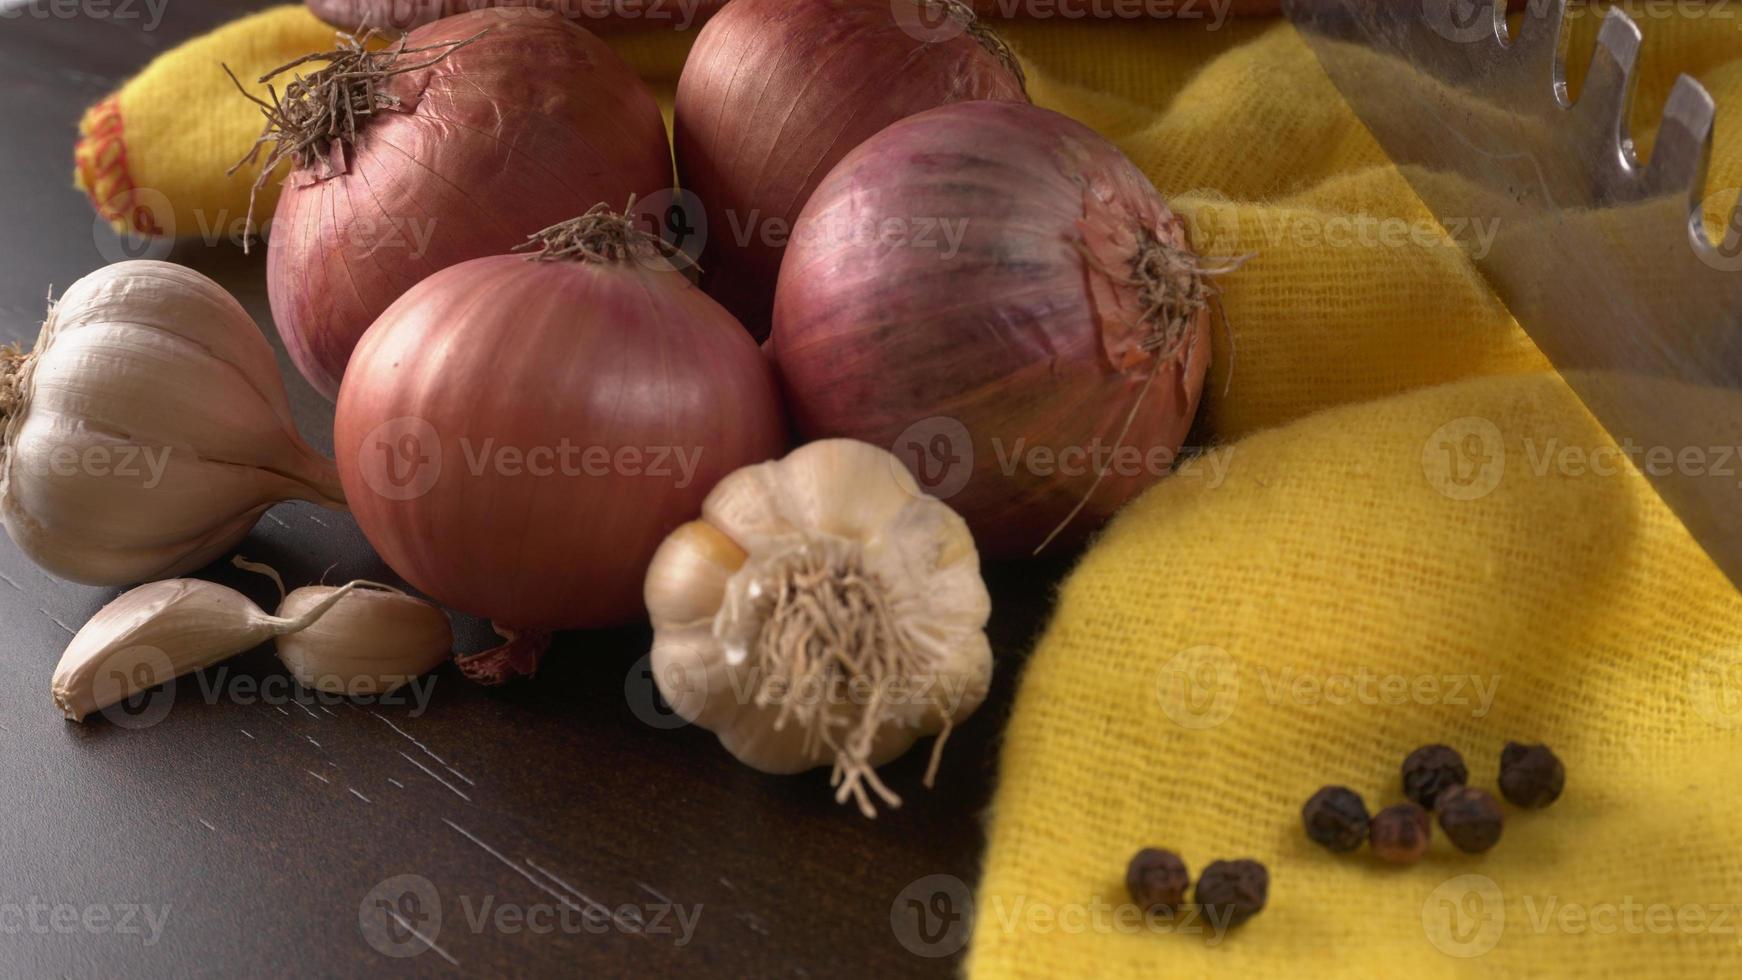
<point x="267" y="832"/>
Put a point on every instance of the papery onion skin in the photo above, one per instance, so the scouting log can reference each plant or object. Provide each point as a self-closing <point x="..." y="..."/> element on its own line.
<point x="595" y="15"/>
<point x="505" y="353"/>
<point x="775" y="93"/>
<point x="963" y="359"/>
<point x="532" y="123"/>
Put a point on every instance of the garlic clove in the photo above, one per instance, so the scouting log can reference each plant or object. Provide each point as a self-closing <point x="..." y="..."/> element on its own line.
<point x="147" y="430"/>
<point x="830" y="486"/>
<point x="157" y="632"/>
<point x="370" y="642"/>
<point x="687" y="580"/>
<point x="702" y="687"/>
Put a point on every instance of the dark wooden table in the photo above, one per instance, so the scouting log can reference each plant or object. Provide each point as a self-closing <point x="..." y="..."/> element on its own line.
<point x="262" y="832"/>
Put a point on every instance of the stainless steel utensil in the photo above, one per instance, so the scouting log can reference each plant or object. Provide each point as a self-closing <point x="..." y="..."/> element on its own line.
<point x="1603" y="259"/>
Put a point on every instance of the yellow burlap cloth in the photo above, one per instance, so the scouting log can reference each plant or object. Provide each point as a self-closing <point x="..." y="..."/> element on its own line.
<point x="1412" y="532"/>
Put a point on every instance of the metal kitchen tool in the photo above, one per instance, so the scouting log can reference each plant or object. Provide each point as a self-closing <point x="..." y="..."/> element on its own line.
<point x="1603" y="260"/>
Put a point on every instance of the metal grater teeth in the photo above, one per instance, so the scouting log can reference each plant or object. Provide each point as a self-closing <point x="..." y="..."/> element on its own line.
<point x="1683" y="148"/>
<point x="1605" y="260"/>
<point x="1606" y="96"/>
<point x="1538" y="42"/>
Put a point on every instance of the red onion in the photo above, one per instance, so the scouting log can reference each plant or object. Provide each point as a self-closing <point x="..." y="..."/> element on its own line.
<point x="532" y="121"/>
<point x="599" y="16"/>
<point x="521" y="434"/>
<point x="776" y="92"/>
<point x="998" y="295"/>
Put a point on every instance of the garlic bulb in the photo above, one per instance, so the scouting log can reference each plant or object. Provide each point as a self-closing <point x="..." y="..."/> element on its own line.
<point x="370" y="642"/>
<point x="161" y="631"/>
<point x="823" y="611"/>
<point x="148" y="430"/>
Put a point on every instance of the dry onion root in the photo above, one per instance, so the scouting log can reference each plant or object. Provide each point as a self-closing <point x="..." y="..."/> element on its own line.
<point x="823" y="611"/>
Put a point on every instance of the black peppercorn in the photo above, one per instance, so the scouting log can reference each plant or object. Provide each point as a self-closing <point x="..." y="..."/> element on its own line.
<point x="1471" y="818"/>
<point x="1430" y="770"/>
<point x="1157" y="881"/>
<point x="1230" y="892"/>
<point x="1336" y="817"/>
<point x="1531" y="775"/>
<point x="1400" y="834"/>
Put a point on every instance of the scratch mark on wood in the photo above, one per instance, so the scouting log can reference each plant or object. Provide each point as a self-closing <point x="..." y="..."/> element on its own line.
<point x="358" y="795"/>
<point x="50" y="617"/>
<point x="318" y="776"/>
<point x="755" y="924"/>
<point x="431" y="773"/>
<point x="208" y="824"/>
<point x="280" y="709"/>
<point x="305" y="708"/>
<point x="408" y="927"/>
<point x="396" y="782"/>
<point x="311" y="741"/>
<point x="245" y="732"/>
<point x="462" y="777"/>
<point x="583" y="896"/>
<point x="517" y="869"/>
<point x="329" y="711"/>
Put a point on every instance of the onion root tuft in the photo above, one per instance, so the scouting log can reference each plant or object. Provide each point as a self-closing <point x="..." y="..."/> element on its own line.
<point x="322" y="111"/>
<point x="600" y="235"/>
<point x="518" y="657"/>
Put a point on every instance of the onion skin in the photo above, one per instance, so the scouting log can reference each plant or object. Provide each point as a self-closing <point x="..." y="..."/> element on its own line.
<point x="774" y="94"/>
<point x="1018" y="336"/>
<point x="597" y="16"/>
<point x="501" y="142"/>
<point x="626" y="15"/>
<point x="530" y="354"/>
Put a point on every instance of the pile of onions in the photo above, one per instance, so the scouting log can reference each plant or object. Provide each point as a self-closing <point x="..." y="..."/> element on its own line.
<point x="776" y="92"/>
<point x="610" y="16"/>
<point x="999" y="296"/>
<point x="521" y="433"/>
<point x="469" y="135"/>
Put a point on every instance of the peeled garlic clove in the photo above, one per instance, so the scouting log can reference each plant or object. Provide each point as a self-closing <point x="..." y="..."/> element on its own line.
<point x="824" y="611"/>
<point x="148" y="430"/>
<point x="369" y="642"/>
<point x="158" y="632"/>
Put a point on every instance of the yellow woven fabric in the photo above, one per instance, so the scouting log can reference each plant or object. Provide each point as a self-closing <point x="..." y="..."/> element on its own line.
<point x="1412" y="532"/>
<point x="152" y="156"/>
